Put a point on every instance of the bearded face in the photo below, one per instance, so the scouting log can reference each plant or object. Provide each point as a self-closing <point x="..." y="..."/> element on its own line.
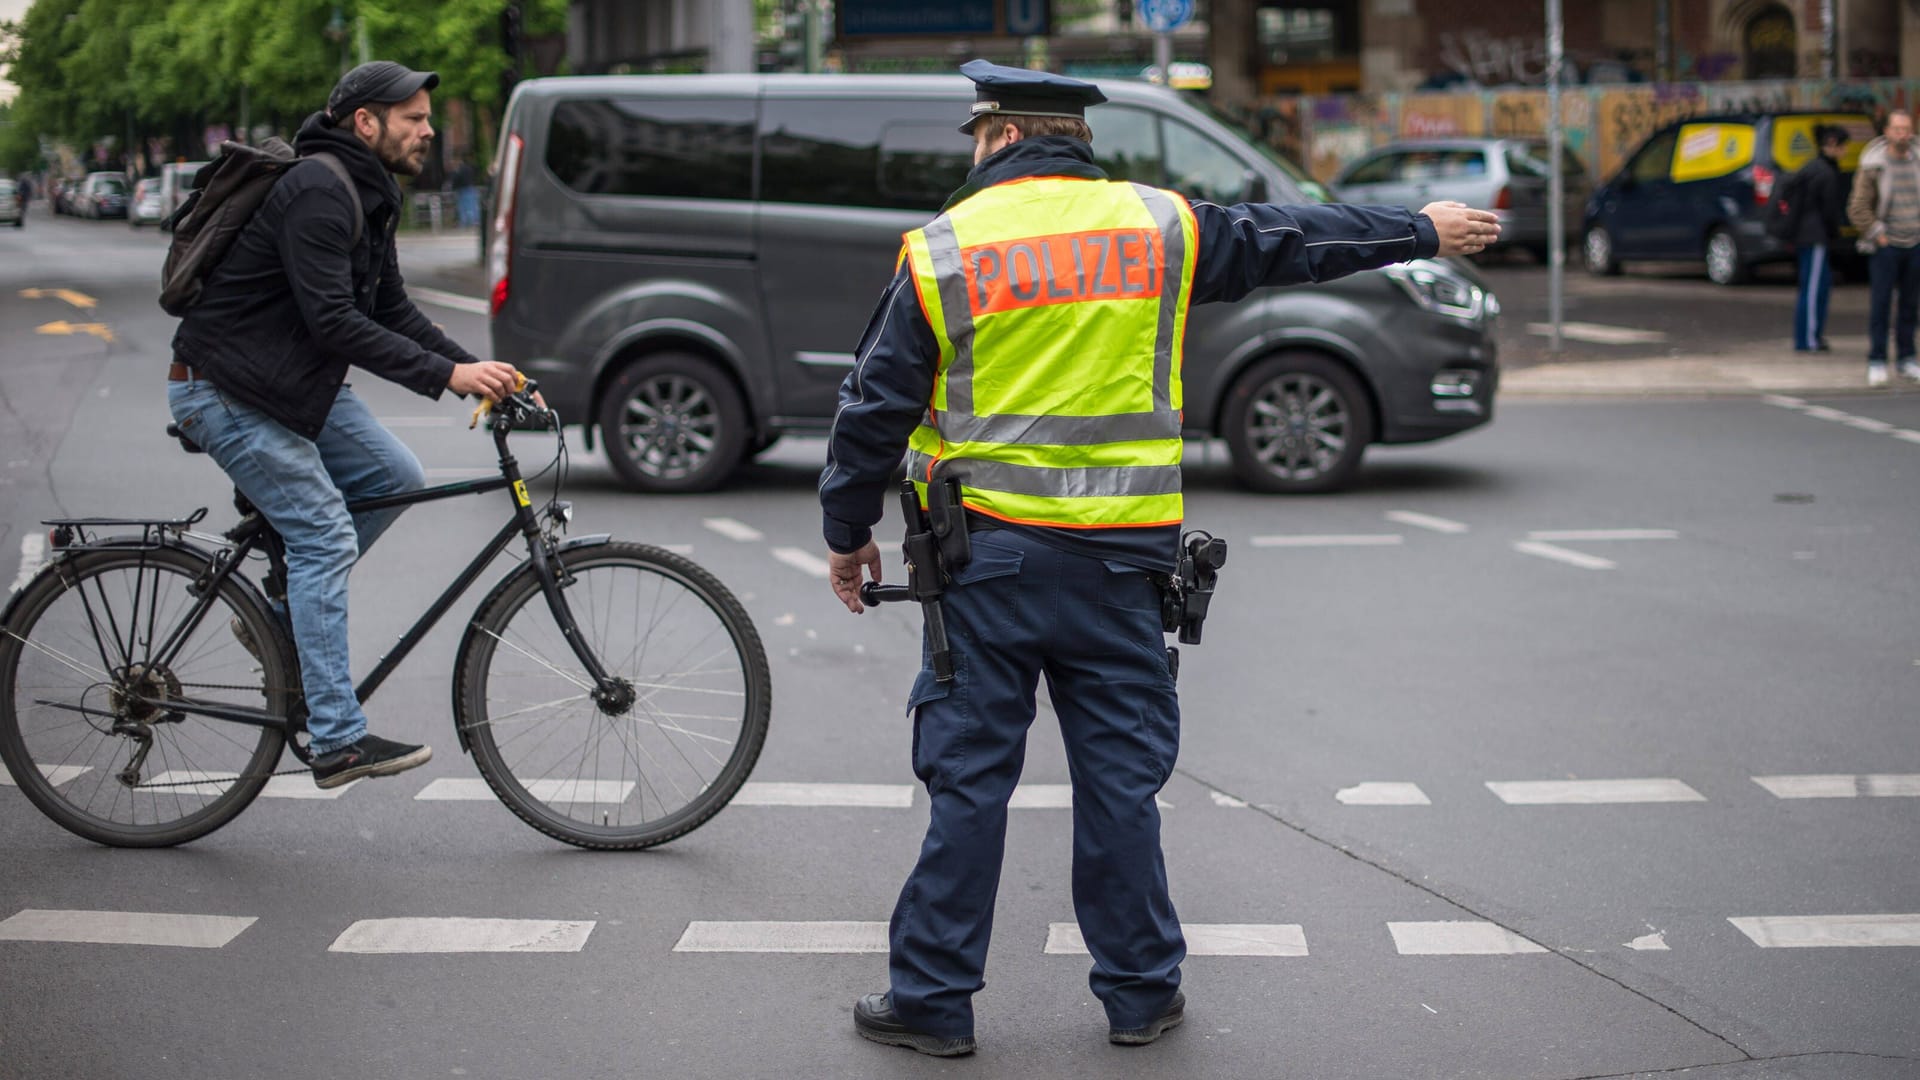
<point x="402" y="136"/>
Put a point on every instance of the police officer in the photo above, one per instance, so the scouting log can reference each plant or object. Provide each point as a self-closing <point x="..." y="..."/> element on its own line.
<point x="1029" y="347"/>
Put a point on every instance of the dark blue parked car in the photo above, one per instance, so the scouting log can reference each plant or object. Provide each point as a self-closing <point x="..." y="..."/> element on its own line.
<point x="1698" y="189"/>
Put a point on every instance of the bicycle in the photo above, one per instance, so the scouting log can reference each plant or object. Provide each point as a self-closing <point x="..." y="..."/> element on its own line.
<point x="147" y="686"/>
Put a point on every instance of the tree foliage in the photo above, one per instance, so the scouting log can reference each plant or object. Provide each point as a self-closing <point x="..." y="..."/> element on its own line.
<point x="96" y="69"/>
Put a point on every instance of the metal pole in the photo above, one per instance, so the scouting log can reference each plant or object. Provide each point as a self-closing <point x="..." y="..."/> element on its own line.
<point x="1163" y="57"/>
<point x="1663" y="41"/>
<point x="1556" y="184"/>
<point x="1830" y="50"/>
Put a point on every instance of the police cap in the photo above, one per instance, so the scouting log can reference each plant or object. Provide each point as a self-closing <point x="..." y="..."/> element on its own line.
<point x="1011" y="91"/>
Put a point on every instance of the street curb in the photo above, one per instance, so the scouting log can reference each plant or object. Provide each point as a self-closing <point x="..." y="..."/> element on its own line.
<point x="1750" y="374"/>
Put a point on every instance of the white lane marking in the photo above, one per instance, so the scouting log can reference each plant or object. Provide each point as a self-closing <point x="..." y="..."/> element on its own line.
<point x="1654" y="942"/>
<point x="1221" y="798"/>
<point x="1054" y="797"/>
<point x="1203" y="939"/>
<point x="1818" y="931"/>
<point x="1304" y="541"/>
<point x="1841" y="786"/>
<point x="1821" y="412"/>
<point x="1592" y="792"/>
<point x="1867" y="423"/>
<point x="33" y="554"/>
<point x="124" y="928"/>
<point x="784" y="937"/>
<point x="1564" y="555"/>
<point x="1460" y="938"/>
<point x="804" y="561"/>
<point x="1383" y="793"/>
<point x="1427" y="521"/>
<point x="212" y="782"/>
<point x="1783" y="401"/>
<point x="55" y="774"/>
<point x="416" y="421"/>
<point x="889" y="796"/>
<point x="554" y="790"/>
<point x="734" y="530"/>
<point x="1907" y="435"/>
<point x="460" y="935"/>
<point x="1599" y="333"/>
<point x="677" y="549"/>
<point x="1579" y="535"/>
<point x="472" y="304"/>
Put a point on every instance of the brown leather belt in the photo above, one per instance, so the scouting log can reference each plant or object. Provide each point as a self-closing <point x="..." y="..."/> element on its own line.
<point x="179" y="372"/>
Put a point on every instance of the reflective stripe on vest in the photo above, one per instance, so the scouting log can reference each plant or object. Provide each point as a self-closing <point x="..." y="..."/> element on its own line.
<point x="1059" y="306"/>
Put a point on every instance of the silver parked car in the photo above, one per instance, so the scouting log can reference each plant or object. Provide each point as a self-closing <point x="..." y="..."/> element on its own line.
<point x="145" y="207"/>
<point x="1507" y="176"/>
<point x="10" y="209"/>
<point x="685" y="262"/>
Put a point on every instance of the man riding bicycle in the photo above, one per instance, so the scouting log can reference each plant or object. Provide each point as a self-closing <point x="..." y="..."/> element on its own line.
<point x="259" y="379"/>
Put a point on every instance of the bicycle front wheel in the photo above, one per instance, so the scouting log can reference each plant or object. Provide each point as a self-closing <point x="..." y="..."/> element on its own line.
<point x="89" y="689"/>
<point x="627" y="774"/>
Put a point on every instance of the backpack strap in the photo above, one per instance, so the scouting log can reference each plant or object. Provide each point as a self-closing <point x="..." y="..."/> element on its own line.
<point x="339" y="169"/>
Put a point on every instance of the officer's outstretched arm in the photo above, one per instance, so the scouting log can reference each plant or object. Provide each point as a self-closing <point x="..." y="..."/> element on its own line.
<point x="1250" y="245"/>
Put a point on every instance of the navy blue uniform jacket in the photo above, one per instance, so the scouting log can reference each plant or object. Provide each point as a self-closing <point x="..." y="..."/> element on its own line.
<point x="1241" y="248"/>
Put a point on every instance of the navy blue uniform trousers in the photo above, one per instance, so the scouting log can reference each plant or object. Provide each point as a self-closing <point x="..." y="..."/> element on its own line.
<point x="1019" y="611"/>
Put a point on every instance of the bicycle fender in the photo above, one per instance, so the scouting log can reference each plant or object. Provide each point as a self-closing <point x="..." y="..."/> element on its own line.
<point x="507" y="579"/>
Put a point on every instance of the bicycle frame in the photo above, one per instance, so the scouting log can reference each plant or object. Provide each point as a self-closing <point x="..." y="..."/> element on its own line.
<point x="222" y="564"/>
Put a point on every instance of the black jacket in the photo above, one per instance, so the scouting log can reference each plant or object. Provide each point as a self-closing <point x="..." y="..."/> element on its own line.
<point x="293" y="304"/>
<point x="1819" y="202"/>
<point x="1242" y="248"/>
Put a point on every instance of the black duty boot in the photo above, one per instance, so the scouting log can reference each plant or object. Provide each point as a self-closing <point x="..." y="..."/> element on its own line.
<point x="371" y="756"/>
<point x="1169" y="1017"/>
<point x="874" y="1019"/>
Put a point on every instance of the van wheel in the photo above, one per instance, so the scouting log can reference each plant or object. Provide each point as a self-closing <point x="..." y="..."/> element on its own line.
<point x="1598" y="253"/>
<point x="673" y="422"/>
<point x="1297" y="423"/>
<point x="1724" y="266"/>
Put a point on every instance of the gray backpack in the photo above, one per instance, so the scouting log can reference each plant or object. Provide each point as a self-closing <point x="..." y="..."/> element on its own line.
<point x="226" y="192"/>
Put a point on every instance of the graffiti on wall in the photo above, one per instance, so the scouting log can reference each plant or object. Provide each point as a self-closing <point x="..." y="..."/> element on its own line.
<point x="1494" y="61"/>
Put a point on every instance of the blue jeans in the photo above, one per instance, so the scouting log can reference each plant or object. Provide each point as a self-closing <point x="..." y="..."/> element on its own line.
<point x="1890" y="269"/>
<point x="302" y="486"/>
<point x="1021" y="610"/>
<point x="1810" y="304"/>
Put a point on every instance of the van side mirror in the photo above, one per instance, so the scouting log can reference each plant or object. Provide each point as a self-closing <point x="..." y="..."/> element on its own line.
<point x="1255" y="188"/>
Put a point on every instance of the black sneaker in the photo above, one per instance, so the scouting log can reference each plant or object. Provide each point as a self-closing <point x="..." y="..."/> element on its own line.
<point x="875" y="1020"/>
<point x="371" y="756"/>
<point x="1169" y="1017"/>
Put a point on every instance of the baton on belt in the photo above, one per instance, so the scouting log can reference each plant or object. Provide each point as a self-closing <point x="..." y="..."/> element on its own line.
<point x="926" y="581"/>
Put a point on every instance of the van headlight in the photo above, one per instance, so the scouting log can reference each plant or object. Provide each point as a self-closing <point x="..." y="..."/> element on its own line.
<point x="1436" y="288"/>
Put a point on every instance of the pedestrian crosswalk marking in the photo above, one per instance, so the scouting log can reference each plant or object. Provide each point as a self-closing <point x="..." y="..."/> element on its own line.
<point x="804" y="561"/>
<point x="1569" y="556"/>
<point x="891" y="796"/>
<point x="1823" y="931"/>
<point x="462" y="935"/>
<point x="733" y="530"/>
<point x="1458" y="938"/>
<point x="1548" y="792"/>
<point x="1427" y="521"/>
<point x="124" y="928"/>
<point x="784" y="937"/>
<point x="33" y="553"/>
<point x="1203" y="939"/>
<point x="1826" y="786"/>
<point x="55" y="774"/>
<point x="1383" y="793"/>
<point x="558" y="790"/>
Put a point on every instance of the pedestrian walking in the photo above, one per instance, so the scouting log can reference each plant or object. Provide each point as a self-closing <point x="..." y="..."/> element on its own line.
<point x="1885" y="207"/>
<point x="466" y="197"/>
<point x="259" y="378"/>
<point x="1817" y="210"/>
<point x="1028" y="352"/>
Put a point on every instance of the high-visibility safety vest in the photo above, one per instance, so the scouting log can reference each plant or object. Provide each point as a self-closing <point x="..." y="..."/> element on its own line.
<point x="1060" y="306"/>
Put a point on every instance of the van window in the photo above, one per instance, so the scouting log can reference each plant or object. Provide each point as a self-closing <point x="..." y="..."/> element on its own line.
<point x="1377" y="170"/>
<point x="1200" y="168"/>
<point x="921" y="164"/>
<point x="1126" y="145"/>
<point x="1443" y="164"/>
<point x="819" y="152"/>
<point x="653" y="146"/>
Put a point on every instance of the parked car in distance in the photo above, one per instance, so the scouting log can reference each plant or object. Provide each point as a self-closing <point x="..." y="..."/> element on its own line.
<point x="1508" y="176"/>
<point x="685" y="263"/>
<point x="11" y="212"/>
<point x="1698" y="189"/>
<point x="103" y="195"/>
<point x="144" y="209"/>
<point x="176" y="180"/>
<point x="61" y="196"/>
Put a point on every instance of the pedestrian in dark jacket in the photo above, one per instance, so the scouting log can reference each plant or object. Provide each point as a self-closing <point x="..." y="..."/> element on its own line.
<point x="259" y="379"/>
<point x="1818" y="209"/>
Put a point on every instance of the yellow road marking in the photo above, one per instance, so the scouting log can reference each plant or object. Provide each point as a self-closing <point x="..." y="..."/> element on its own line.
<point x="97" y="329"/>
<point x="77" y="299"/>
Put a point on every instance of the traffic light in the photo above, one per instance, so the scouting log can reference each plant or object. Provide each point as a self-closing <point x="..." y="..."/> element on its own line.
<point x="510" y="43"/>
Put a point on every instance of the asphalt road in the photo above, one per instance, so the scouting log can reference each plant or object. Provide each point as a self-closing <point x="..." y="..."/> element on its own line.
<point x="1690" y="594"/>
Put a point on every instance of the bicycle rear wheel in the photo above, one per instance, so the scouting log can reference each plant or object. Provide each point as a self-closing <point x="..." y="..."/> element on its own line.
<point x="85" y="727"/>
<point x="617" y="778"/>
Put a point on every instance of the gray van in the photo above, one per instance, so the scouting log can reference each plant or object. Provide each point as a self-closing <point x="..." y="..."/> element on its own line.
<point x="686" y="262"/>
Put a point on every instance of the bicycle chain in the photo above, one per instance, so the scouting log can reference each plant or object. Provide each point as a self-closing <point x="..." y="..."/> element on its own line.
<point x="299" y="771"/>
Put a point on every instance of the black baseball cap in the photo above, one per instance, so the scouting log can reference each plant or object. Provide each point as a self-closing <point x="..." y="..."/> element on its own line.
<point x="377" y="82"/>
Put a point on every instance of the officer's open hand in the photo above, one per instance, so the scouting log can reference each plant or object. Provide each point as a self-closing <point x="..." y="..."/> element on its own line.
<point x="1463" y="230"/>
<point x="844" y="573"/>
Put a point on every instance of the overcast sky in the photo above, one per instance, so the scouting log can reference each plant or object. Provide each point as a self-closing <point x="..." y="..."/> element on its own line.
<point x="10" y="11"/>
